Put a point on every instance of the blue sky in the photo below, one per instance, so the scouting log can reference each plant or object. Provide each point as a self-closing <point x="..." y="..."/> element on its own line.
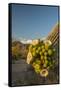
<point x="32" y="22"/>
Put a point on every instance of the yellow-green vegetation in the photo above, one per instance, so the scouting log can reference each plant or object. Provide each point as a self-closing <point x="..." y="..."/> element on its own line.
<point x="42" y="54"/>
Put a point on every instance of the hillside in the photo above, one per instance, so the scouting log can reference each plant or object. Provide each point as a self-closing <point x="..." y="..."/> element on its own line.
<point x="19" y="50"/>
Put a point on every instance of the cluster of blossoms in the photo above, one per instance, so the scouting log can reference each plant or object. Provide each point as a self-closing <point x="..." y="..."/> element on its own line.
<point x="40" y="56"/>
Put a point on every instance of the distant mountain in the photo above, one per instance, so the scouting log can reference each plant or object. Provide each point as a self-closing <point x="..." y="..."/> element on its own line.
<point x="22" y="40"/>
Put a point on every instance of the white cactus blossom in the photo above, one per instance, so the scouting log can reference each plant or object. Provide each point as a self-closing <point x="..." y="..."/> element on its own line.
<point x="44" y="73"/>
<point x="35" y="42"/>
<point x="48" y="42"/>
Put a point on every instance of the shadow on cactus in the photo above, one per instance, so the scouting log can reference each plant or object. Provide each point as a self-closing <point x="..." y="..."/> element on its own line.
<point x="40" y="56"/>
